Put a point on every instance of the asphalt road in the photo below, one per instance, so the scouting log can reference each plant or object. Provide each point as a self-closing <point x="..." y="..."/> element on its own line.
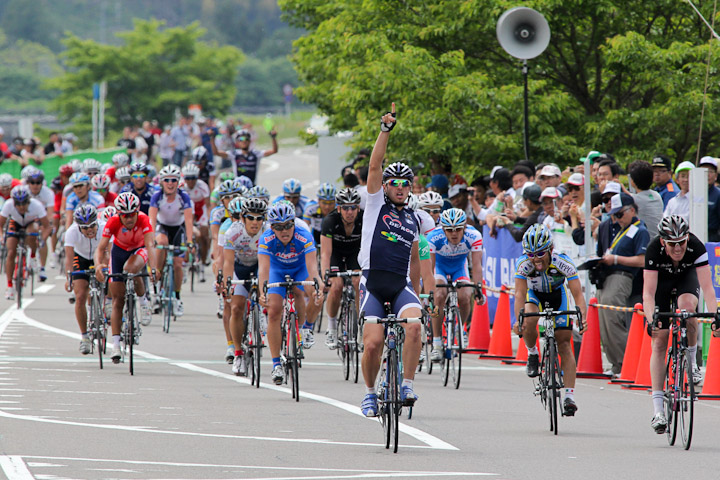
<point x="183" y="415"/>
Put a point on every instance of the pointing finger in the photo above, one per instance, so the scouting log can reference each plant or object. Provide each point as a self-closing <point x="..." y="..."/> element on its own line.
<point x="393" y="107"/>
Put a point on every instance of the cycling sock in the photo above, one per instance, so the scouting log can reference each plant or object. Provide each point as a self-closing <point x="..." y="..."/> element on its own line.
<point x="370" y="390"/>
<point x="332" y="323"/>
<point x="177" y="294"/>
<point x="116" y="341"/>
<point x="657" y="397"/>
<point x="407" y="383"/>
<point x="276" y="362"/>
<point x="570" y="393"/>
<point x="533" y="350"/>
<point x="692" y="353"/>
<point x="231" y="344"/>
<point x="9" y="283"/>
<point x="437" y="342"/>
<point x="85" y="336"/>
<point x="143" y="300"/>
<point x="239" y="353"/>
<point x="307" y="325"/>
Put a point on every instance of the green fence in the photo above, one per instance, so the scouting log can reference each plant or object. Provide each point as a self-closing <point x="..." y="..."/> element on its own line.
<point x="51" y="164"/>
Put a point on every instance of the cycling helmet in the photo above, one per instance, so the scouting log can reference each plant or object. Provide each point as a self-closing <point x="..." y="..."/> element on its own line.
<point x="127" y="202"/>
<point x="191" y="171"/>
<point x="244" y="181"/>
<point x="27" y="171"/>
<point x="673" y="228"/>
<point x="226" y="176"/>
<point x="199" y="154"/>
<point x="292" y="186"/>
<point x="242" y="133"/>
<point x="100" y="182"/>
<point x="430" y="199"/>
<point x="108" y="212"/>
<point x="235" y="207"/>
<point x="123" y="174"/>
<point x="254" y="205"/>
<point x="326" y="191"/>
<point x="76" y="165"/>
<point x="66" y="169"/>
<point x="225" y="189"/>
<point x="20" y="194"/>
<point x="239" y="186"/>
<point x="281" y="212"/>
<point x="105" y="167"/>
<point x="452" y="218"/>
<point x="78" y="178"/>
<point x="139" y="167"/>
<point x="90" y="165"/>
<point x="5" y="180"/>
<point x="259" y="192"/>
<point x="347" y="196"/>
<point x="120" y="159"/>
<point x="170" y="171"/>
<point x="537" y="238"/>
<point x="36" y="176"/>
<point x="85" y="215"/>
<point x="412" y="201"/>
<point x="398" y="170"/>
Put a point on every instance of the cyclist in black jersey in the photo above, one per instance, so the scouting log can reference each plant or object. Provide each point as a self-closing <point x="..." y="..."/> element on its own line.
<point x="675" y="260"/>
<point x="340" y="244"/>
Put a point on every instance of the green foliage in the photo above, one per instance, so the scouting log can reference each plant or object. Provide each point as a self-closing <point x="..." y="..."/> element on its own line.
<point x="621" y="77"/>
<point x="260" y="82"/>
<point x="153" y="72"/>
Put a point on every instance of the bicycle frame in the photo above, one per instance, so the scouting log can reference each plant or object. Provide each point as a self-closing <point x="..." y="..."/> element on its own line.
<point x="97" y="324"/>
<point x="253" y="337"/>
<point x="131" y="330"/>
<point x="168" y="283"/>
<point x="347" y="325"/>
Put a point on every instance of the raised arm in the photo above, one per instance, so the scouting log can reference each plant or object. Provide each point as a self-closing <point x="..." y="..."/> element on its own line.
<point x="374" y="182"/>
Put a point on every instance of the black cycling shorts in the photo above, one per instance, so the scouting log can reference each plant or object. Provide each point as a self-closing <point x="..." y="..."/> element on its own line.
<point x="378" y="287"/>
<point x="81" y="263"/>
<point x="343" y="263"/>
<point x="175" y="234"/>
<point x="686" y="282"/>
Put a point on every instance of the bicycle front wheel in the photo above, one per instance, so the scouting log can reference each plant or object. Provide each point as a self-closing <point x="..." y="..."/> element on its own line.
<point x="670" y="399"/>
<point x="293" y="358"/>
<point x="447" y="334"/>
<point x="352" y="344"/>
<point x="130" y="341"/>
<point x="553" y="387"/>
<point x="456" y="349"/>
<point x="395" y="403"/>
<point x="428" y="344"/>
<point x="19" y="268"/>
<point x="341" y="336"/>
<point x="96" y="319"/>
<point x="257" y="342"/>
<point x="686" y="400"/>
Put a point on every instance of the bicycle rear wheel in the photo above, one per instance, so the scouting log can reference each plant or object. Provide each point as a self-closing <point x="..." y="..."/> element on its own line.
<point x="293" y="358"/>
<point x="686" y="400"/>
<point x="456" y="349"/>
<point x="131" y="331"/>
<point x="428" y="344"/>
<point x="670" y="399"/>
<point x="19" y="268"/>
<point x="394" y="394"/>
<point x="257" y="343"/>
<point x="168" y="299"/>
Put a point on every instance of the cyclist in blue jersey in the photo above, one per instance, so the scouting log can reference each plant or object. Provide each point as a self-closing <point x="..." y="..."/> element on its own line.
<point x="389" y="260"/>
<point x="139" y="185"/>
<point x="291" y="192"/>
<point x="450" y="244"/>
<point x="317" y="210"/>
<point x="540" y="278"/>
<point x="285" y="249"/>
<point x="171" y="217"/>
<point x="81" y="195"/>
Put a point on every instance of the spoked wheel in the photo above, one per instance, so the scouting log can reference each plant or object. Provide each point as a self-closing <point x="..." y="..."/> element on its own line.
<point x="382" y="387"/>
<point x="257" y="343"/>
<point x="131" y="333"/>
<point x="96" y="317"/>
<point x="193" y="269"/>
<point x="670" y="400"/>
<point x="428" y="348"/>
<point x="686" y="400"/>
<point x="353" y="345"/>
<point x="293" y="359"/>
<point x="456" y="349"/>
<point x="19" y="268"/>
<point x="553" y="388"/>
<point x="394" y="404"/>
<point x="341" y="337"/>
<point x="447" y="352"/>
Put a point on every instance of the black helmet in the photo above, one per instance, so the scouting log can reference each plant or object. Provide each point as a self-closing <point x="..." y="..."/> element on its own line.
<point x="673" y="228"/>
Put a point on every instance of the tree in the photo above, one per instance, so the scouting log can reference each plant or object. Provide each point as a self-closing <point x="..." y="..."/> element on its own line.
<point x="151" y="74"/>
<point x="621" y="77"/>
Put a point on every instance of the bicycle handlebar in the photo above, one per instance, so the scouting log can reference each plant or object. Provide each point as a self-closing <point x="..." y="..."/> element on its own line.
<point x="685" y="314"/>
<point x="349" y="273"/>
<point x="551" y="313"/>
<point x="173" y="248"/>
<point x="382" y="321"/>
<point x="291" y="283"/>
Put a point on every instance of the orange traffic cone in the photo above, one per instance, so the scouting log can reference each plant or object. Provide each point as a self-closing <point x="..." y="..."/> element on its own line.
<point x="590" y="360"/>
<point x="479" y="340"/>
<point x="711" y="387"/>
<point x="501" y="342"/>
<point x="642" y="375"/>
<point x="632" y="347"/>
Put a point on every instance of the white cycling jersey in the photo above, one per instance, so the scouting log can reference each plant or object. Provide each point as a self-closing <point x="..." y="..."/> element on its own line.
<point x="82" y="245"/>
<point x="244" y="245"/>
<point x="35" y="211"/>
<point x="45" y="196"/>
<point x="171" y="213"/>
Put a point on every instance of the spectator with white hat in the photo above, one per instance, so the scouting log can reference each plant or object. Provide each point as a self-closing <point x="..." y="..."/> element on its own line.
<point x="551" y="200"/>
<point x="680" y="203"/>
<point x="710" y="164"/>
<point x="573" y="207"/>
<point x="549" y="176"/>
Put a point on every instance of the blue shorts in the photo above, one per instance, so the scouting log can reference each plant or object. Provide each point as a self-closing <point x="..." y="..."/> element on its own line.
<point x="298" y="274"/>
<point x="459" y="272"/>
<point x="378" y="287"/>
<point x="555" y="300"/>
<point x="119" y="256"/>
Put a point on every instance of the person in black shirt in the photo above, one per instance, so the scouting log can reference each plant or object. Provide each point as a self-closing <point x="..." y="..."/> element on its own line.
<point x="675" y="260"/>
<point x="339" y="247"/>
<point x="127" y="142"/>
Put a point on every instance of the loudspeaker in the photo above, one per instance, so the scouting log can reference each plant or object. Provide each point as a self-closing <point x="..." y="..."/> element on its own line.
<point x="523" y="32"/>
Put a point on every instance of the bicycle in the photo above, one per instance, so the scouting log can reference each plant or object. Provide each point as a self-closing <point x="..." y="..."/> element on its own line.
<point x="252" y="340"/>
<point x="3" y="248"/>
<point x="97" y="323"/>
<point x="23" y="269"/>
<point x="427" y="334"/>
<point x="167" y="290"/>
<point x="347" y="325"/>
<point x="193" y="269"/>
<point x="389" y="380"/>
<point x="679" y="396"/>
<point x="549" y="383"/>
<point x="452" y="336"/>
<point x="131" y="330"/>
<point x="291" y="346"/>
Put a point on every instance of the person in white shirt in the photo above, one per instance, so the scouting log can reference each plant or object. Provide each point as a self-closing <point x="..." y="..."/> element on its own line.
<point x="680" y="203"/>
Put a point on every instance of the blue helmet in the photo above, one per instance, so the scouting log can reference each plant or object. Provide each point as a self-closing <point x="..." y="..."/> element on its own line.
<point x="537" y="239"/>
<point x="244" y="181"/>
<point x="326" y="191"/>
<point x="238" y="187"/>
<point x="452" y="218"/>
<point x="20" y="194"/>
<point x="259" y="192"/>
<point x="85" y="215"/>
<point x="225" y="189"/>
<point x="79" y="177"/>
<point x="292" y="186"/>
<point x="235" y="206"/>
<point x="281" y="212"/>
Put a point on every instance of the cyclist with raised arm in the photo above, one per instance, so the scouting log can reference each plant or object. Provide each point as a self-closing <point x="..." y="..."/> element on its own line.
<point x="199" y="193"/>
<point x="676" y="260"/>
<point x="132" y="249"/>
<point x="339" y="248"/>
<point x="240" y="254"/>
<point x="317" y="210"/>
<point x="245" y="161"/>
<point x="541" y="276"/>
<point x="450" y="244"/>
<point x="139" y="185"/>
<point x="285" y="249"/>
<point x="171" y="217"/>
<point x="391" y="266"/>
<point x="81" y="240"/>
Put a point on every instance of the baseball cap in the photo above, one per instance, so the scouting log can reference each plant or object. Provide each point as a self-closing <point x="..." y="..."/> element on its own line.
<point x="439" y="181"/>
<point x="684" y="166"/>
<point x="549" y="171"/>
<point x="576" y="179"/>
<point x="612" y="187"/>
<point x="662" y="161"/>
<point x="708" y="161"/>
<point x="551" y="192"/>
<point x="620" y="200"/>
<point x="457" y="189"/>
<point x="532" y="193"/>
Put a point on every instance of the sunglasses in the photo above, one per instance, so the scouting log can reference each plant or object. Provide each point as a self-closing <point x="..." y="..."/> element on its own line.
<point x="398" y="182"/>
<point x="34" y="183"/>
<point x="620" y="214"/>
<point x="88" y="227"/>
<point x="255" y="218"/>
<point x="327" y="202"/>
<point x="537" y="255"/>
<point x="291" y="197"/>
<point x="573" y="188"/>
<point x="607" y="200"/>
<point x="455" y="229"/>
<point x="678" y="243"/>
<point x="349" y="208"/>
<point x="101" y="190"/>
<point x="243" y="139"/>
<point x="170" y="180"/>
<point x="78" y="185"/>
<point x="281" y="227"/>
<point x="433" y="210"/>
<point x="128" y="215"/>
<point x="188" y="179"/>
<point x="138" y="175"/>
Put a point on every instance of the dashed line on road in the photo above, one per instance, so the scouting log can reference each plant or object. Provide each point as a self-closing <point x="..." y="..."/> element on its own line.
<point x="44" y="288"/>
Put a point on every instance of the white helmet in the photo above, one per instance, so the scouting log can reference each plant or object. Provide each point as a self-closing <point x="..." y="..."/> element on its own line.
<point x="430" y="199"/>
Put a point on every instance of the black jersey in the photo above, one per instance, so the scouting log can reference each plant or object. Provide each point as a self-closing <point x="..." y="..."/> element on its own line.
<point x="656" y="258"/>
<point x="342" y="244"/>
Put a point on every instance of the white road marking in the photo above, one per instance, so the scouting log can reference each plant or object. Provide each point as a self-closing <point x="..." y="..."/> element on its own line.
<point x="269" y="166"/>
<point x="59" y="277"/>
<point x="15" y="468"/>
<point x="44" y="288"/>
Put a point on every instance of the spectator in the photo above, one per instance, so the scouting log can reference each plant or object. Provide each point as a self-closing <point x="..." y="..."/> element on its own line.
<point x="501" y="187"/>
<point x="440" y="184"/>
<point x="531" y="196"/>
<point x="3" y="145"/>
<point x="127" y="141"/>
<point x="180" y="135"/>
<point x="649" y="202"/>
<point x="141" y="147"/>
<point x="623" y="257"/>
<point x="362" y="174"/>
<point x="54" y="145"/>
<point x="68" y="142"/>
<point x="166" y="146"/>
<point x="551" y="200"/>
<point x="710" y="164"/>
<point x="549" y="176"/>
<point x="350" y="180"/>
<point x="680" y="203"/>
<point x="608" y="171"/>
<point x="146" y="132"/>
<point x="458" y="196"/>
<point x="31" y="153"/>
<point x="662" y="177"/>
<point x="520" y="176"/>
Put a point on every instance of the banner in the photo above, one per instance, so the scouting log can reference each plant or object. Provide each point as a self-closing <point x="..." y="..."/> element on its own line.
<point x="713" y="250"/>
<point x="499" y="265"/>
<point x="51" y="165"/>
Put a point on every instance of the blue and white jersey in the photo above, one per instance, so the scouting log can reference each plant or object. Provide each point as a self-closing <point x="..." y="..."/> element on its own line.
<point x="299" y="208"/>
<point x="144" y="197"/>
<point x="224" y="227"/>
<point x="560" y="269"/>
<point x="171" y="213"/>
<point x="289" y="256"/>
<point x="388" y="235"/>
<point x="218" y="215"/>
<point x="93" y="198"/>
<point x="449" y="257"/>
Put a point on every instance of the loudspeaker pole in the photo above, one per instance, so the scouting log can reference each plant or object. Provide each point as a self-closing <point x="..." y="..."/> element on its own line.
<point x="526" y="129"/>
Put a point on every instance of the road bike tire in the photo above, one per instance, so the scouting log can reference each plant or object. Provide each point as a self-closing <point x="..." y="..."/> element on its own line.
<point x="554" y="390"/>
<point x="257" y="343"/>
<point x="428" y="345"/>
<point x="670" y="399"/>
<point x="131" y="331"/>
<point x="395" y="403"/>
<point x="341" y="335"/>
<point x="293" y="359"/>
<point x="167" y="299"/>
<point x="96" y="321"/>
<point x="686" y="401"/>
<point x="353" y="344"/>
<point x="19" y="267"/>
<point x="192" y="273"/>
<point x="447" y="335"/>
<point x="381" y="387"/>
<point x="457" y="350"/>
